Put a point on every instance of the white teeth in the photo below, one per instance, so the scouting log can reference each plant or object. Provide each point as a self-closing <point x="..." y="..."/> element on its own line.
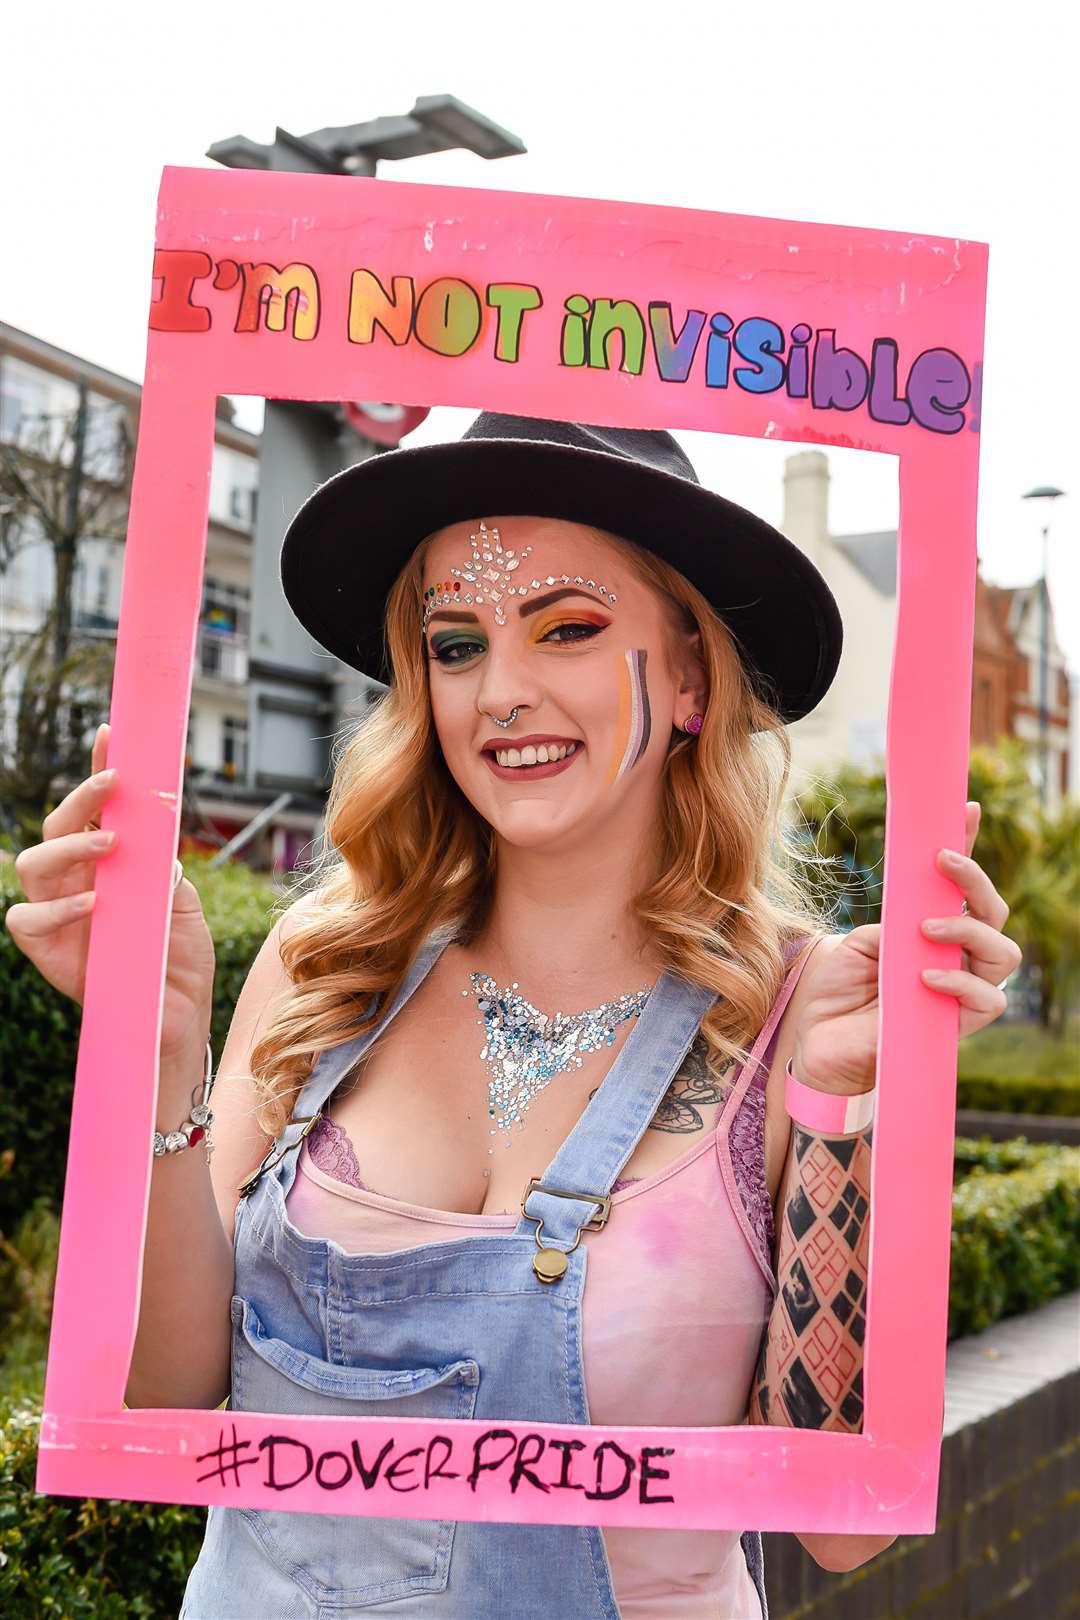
<point x="544" y="755"/>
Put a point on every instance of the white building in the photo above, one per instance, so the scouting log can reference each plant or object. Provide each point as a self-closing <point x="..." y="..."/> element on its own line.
<point x="225" y="786"/>
<point x="860" y="570"/>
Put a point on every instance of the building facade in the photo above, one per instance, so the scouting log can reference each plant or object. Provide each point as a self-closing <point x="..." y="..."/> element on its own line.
<point x="1008" y="657"/>
<point x="236" y="769"/>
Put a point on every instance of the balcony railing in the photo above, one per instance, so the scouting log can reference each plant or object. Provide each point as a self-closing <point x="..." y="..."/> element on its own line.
<point x="223" y="657"/>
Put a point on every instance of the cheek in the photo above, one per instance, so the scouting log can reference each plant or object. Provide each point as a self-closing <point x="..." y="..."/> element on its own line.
<point x="633" y="719"/>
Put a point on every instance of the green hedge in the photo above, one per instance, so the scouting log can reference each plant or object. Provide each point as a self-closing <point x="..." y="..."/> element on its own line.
<point x="980" y="1153"/>
<point x="69" y="1559"/>
<point x="39" y="1029"/>
<point x="1000" y="1094"/>
<point x="1015" y="1234"/>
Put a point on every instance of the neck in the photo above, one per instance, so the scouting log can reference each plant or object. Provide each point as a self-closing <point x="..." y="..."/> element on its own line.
<point x="561" y="924"/>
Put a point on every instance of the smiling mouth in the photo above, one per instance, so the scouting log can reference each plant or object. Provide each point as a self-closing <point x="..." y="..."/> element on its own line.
<point x="528" y="763"/>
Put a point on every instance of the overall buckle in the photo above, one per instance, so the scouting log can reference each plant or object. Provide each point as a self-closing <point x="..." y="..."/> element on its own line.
<point x="275" y="1155"/>
<point x="550" y="1264"/>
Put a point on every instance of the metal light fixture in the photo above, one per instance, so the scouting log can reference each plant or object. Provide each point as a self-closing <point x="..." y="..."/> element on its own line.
<point x="1044" y="492"/>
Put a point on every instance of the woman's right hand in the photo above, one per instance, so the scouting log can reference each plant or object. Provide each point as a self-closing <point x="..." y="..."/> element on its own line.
<point x="52" y="927"/>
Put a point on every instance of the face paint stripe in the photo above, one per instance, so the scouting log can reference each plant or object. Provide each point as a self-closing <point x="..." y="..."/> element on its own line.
<point x="630" y="752"/>
<point x="637" y="718"/>
<point x="622" y="721"/>
<point x="643" y="692"/>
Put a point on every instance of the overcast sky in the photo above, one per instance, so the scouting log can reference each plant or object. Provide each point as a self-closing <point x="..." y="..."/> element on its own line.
<point x="952" y="120"/>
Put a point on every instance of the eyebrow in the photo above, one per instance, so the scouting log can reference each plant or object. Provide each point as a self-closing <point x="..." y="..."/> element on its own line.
<point x="525" y="608"/>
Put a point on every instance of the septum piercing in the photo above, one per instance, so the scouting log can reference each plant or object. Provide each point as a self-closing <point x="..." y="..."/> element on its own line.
<point x="509" y="719"/>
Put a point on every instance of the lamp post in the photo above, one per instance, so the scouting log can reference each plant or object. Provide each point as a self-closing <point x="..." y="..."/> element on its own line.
<point x="303" y="443"/>
<point x="1044" y="492"/>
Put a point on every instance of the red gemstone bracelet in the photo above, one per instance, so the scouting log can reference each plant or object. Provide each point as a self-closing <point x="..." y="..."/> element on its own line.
<point x="197" y="1125"/>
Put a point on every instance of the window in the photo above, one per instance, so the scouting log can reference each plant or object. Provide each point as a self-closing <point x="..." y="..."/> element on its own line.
<point x="234" y="746"/>
<point x="107" y="438"/>
<point x="37" y="408"/>
<point x="233" y="483"/>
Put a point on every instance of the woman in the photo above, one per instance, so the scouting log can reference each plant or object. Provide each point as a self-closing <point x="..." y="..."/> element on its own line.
<point x="560" y="825"/>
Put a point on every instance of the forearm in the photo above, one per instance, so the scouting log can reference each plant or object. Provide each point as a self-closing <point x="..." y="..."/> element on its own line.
<point x="810" y="1372"/>
<point x="181" y="1354"/>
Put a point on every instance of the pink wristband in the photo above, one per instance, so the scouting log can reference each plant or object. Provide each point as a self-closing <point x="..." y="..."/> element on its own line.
<point x="824" y="1112"/>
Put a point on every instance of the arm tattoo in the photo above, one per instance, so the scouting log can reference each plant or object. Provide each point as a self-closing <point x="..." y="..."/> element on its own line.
<point x="810" y="1370"/>
<point x="692" y="1088"/>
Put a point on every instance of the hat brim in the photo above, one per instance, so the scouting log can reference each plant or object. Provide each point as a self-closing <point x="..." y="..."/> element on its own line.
<point x="350" y="540"/>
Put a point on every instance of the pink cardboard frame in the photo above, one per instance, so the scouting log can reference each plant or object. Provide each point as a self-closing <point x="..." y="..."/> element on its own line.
<point x="324" y="288"/>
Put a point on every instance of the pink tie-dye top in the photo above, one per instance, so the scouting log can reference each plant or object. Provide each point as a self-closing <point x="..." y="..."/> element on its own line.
<point x="680" y="1285"/>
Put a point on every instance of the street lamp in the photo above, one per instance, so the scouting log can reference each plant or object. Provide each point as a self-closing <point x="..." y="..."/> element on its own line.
<point x="435" y="124"/>
<point x="1044" y="492"/>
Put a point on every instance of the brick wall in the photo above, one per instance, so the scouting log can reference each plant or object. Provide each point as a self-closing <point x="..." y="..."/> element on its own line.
<point x="1007" y="1545"/>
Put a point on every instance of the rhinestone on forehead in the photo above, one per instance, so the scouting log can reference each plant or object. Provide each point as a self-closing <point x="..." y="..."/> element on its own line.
<point x="489" y="572"/>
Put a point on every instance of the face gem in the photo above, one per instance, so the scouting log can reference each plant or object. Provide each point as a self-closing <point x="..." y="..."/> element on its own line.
<point x="491" y="562"/>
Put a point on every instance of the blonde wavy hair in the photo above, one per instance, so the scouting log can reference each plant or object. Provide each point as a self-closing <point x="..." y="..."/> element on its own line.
<point x="405" y="853"/>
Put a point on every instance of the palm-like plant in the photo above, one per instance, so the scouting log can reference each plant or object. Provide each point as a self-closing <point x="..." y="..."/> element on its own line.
<point x="1032" y="859"/>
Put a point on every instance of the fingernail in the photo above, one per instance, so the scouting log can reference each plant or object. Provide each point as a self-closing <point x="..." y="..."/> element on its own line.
<point x="83" y="902"/>
<point x="104" y="839"/>
<point x="951" y="856"/>
<point x="933" y="975"/>
<point x="104" y="778"/>
<point x="933" y="926"/>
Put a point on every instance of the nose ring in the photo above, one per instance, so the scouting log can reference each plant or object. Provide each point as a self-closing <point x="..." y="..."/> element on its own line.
<point x="511" y="717"/>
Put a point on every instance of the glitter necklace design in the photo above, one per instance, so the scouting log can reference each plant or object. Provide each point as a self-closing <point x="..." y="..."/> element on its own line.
<point x="524" y="1049"/>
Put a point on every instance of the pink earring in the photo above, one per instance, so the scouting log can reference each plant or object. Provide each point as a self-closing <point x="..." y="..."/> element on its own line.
<point x="694" y="724"/>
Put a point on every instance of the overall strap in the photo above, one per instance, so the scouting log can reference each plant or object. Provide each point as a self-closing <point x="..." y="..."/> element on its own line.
<point x="615" y="1120"/>
<point x="332" y="1065"/>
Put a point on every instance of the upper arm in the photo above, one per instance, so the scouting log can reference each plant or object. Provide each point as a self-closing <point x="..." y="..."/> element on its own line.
<point x="239" y="1143"/>
<point x="779" y="1135"/>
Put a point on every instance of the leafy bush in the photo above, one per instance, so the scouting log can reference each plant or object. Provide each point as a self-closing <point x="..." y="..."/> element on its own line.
<point x="998" y="1158"/>
<point x="999" y="1094"/>
<point x="39" y="1029"/>
<point x="1015" y="1238"/>
<point x="69" y="1559"/>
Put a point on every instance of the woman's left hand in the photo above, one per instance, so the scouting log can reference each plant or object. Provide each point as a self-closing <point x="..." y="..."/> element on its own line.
<point x="836" y="1038"/>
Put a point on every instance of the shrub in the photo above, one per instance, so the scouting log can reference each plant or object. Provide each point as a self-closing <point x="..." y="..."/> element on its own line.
<point x="1006" y="1094"/>
<point x="39" y="1030"/>
<point x="69" y="1559"/>
<point x="1015" y="1238"/>
<point x="970" y="1154"/>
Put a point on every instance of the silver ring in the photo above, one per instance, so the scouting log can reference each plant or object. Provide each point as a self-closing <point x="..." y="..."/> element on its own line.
<point x="508" y="721"/>
<point x="965" y="909"/>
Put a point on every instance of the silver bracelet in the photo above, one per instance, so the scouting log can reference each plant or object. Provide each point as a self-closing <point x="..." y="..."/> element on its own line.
<point x="196" y="1127"/>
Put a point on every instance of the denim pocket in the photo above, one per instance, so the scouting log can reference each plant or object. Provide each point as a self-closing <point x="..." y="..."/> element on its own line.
<point x="345" y="1561"/>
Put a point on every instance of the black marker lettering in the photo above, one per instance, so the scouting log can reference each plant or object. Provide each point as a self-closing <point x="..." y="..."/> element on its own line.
<point x="567" y="1447"/>
<point x="398" y="1463"/>
<point x="438" y="1472"/>
<point x="333" y="1484"/>
<point x="370" y="1475"/>
<point x="270" y="1445"/>
<point x="648" y="1472"/>
<point x="479" y="1467"/>
<point x="521" y="1468"/>
<point x="600" y="1495"/>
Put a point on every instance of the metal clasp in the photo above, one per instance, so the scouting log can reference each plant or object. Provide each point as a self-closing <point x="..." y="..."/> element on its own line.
<point x="596" y="1223"/>
<point x="276" y="1154"/>
<point x="550" y="1264"/>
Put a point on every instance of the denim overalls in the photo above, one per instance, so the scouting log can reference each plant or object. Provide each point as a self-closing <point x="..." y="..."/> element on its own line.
<point x="462" y="1329"/>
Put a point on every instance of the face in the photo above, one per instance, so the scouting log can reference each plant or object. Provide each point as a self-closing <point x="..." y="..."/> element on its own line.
<point x="566" y="634"/>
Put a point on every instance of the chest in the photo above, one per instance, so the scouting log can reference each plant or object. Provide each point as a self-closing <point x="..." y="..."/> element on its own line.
<point x="416" y="1110"/>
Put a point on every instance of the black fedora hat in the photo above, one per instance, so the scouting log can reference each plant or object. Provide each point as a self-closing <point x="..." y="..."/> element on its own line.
<point x="349" y="541"/>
